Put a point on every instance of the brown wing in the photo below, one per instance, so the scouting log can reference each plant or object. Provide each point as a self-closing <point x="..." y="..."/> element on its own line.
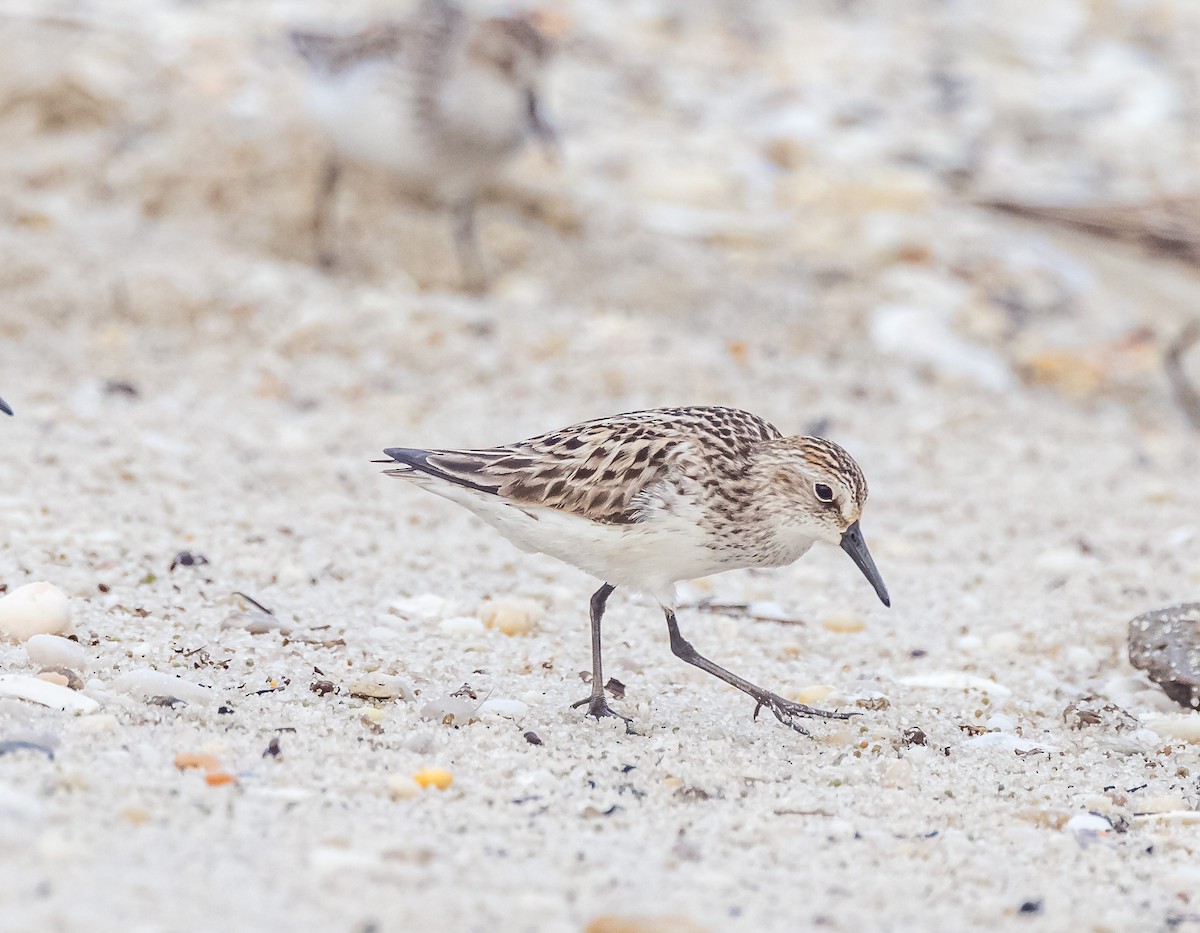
<point x="334" y="54"/>
<point x="599" y="469"/>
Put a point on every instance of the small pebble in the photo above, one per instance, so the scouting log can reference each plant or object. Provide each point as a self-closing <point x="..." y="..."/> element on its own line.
<point x="55" y="651"/>
<point x="1003" y="643"/>
<point x="53" y="677"/>
<point x="844" y="624"/>
<point x="257" y="623"/>
<point x="186" y="761"/>
<point x="664" y="923"/>
<point x="402" y="787"/>
<point x="510" y="616"/>
<point x="812" y="694"/>
<point x="34" y="609"/>
<point x="379" y="687"/>
<point x="434" y="777"/>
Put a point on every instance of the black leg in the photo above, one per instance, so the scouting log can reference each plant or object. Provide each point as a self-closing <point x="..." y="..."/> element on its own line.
<point x="786" y="711"/>
<point x="322" y="225"/>
<point x="466" y="244"/>
<point x="596" y="703"/>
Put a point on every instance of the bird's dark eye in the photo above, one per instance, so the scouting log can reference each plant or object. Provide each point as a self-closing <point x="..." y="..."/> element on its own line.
<point x="824" y="493"/>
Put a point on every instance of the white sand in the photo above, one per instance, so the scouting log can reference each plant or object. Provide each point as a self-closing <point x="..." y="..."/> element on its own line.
<point x="154" y="207"/>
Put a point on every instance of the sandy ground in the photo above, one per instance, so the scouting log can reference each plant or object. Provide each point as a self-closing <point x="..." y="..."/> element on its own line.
<point x="773" y="210"/>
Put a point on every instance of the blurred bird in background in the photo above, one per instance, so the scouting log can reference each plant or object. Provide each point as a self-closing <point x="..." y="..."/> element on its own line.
<point x="444" y="101"/>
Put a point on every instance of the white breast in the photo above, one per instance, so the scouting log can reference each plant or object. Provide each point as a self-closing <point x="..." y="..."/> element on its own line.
<point x="367" y="119"/>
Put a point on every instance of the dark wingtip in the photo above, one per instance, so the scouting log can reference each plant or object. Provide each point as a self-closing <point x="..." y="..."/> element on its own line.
<point x="4" y="407"/>
<point x="409" y="456"/>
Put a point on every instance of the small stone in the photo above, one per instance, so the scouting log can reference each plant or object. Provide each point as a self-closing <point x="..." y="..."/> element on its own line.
<point x="845" y="624"/>
<point x="434" y="777"/>
<point x="187" y="761"/>
<point x="1003" y="643"/>
<point x="34" y="609"/>
<point x="403" y="787"/>
<point x="53" y="677"/>
<point x="898" y="774"/>
<point x="510" y="616"/>
<point x="380" y="687"/>
<point x="55" y="651"/>
<point x="257" y="622"/>
<point x="812" y="694"/>
<point x="1165" y="644"/>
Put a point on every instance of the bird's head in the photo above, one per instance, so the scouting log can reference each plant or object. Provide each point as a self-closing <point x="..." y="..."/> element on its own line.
<point x="818" y="493"/>
<point x="516" y="53"/>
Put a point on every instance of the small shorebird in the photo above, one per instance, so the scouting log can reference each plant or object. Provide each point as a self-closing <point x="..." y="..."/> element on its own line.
<point x="649" y="498"/>
<point x="444" y="101"/>
<point x="4" y="407"/>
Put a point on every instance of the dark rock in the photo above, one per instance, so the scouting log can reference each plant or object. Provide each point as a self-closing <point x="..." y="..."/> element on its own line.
<point x="1165" y="644"/>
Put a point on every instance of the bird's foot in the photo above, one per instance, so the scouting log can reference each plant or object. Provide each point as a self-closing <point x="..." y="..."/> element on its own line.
<point x="598" y="707"/>
<point x="789" y="711"/>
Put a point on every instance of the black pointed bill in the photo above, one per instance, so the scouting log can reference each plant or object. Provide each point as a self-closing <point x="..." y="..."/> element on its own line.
<point x="854" y="545"/>
<point x="4" y="407"/>
<point x="542" y="131"/>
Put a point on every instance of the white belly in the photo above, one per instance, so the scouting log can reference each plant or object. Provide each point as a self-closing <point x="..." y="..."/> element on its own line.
<point x="649" y="557"/>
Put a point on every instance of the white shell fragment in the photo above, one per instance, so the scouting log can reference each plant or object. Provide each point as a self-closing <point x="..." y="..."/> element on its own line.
<point x="510" y="708"/>
<point x="460" y="709"/>
<point x="1184" y="727"/>
<point x="36" y="690"/>
<point x="957" y="680"/>
<point x="148" y="683"/>
<point x="55" y="651"/>
<point x="1008" y="741"/>
<point x="33" y="609"/>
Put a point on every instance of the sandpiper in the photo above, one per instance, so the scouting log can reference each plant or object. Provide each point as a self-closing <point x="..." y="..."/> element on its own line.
<point x="444" y="101"/>
<point x="650" y="498"/>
